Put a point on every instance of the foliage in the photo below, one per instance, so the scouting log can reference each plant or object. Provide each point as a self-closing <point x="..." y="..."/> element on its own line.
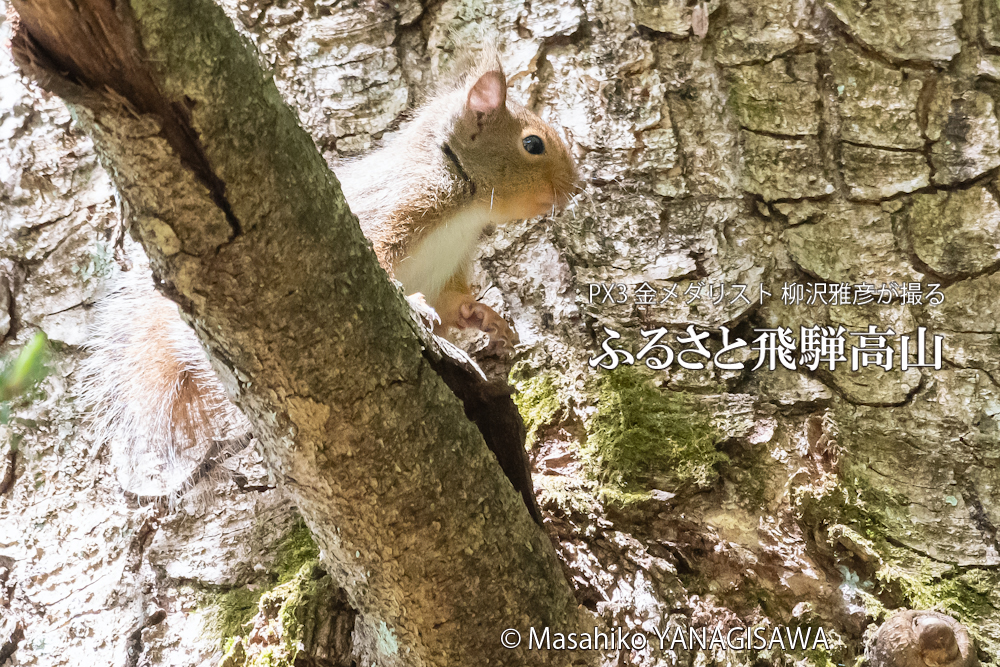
<point x="19" y="375"/>
<point x="26" y="370"/>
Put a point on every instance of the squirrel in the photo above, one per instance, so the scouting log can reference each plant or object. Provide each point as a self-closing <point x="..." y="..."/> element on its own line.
<point x="470" y="158"/>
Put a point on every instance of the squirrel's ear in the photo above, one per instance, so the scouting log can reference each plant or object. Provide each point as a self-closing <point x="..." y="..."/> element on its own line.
<point x="489" y="93"/>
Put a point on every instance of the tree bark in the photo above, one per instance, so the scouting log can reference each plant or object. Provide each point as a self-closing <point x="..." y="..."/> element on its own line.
<point x="801" y="144"/>
<point x="247" y="230"/>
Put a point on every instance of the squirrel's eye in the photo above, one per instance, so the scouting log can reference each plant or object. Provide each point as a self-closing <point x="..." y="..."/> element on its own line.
<point x="533" y="144"/>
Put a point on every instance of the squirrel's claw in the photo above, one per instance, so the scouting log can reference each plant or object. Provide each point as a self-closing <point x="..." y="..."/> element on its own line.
<point x="423" y="309"/>
<point x="484" y="318"/>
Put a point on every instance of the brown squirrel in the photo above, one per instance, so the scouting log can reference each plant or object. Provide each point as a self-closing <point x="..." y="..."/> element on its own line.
<point x="469" y="158"/>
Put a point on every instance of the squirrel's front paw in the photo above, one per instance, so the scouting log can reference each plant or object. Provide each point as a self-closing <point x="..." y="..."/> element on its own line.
<point x="423" y="309"/>
<point x="484" y="318"/>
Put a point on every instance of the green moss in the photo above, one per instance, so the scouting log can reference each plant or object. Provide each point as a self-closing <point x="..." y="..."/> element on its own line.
<point x="624" y="499"/>
<point x="967" y="594"/>
<point x="873" y="512"/>
<point x="640" y="432"/>
<point x="295" y="549"/>
<point x="838" y="654"/>
<point x="285" y="620"/>
<point x="233" y="611"/>
<point x="233" y="653"/>
<point x="869" y="515"/>
<point x="569" y="494"/>
<point x="295" y="573"/>
<point x="297" y="614"/>
<point x="537" y="400"/>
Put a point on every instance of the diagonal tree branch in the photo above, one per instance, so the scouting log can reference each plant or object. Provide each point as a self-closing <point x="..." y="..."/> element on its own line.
<point x="247" y="230"/>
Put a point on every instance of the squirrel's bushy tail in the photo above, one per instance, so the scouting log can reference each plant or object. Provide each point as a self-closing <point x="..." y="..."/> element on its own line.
<point x="155" y="398"/>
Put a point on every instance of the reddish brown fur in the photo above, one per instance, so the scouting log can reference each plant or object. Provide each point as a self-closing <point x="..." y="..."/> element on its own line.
<point x="426" y="189"/>
<point x="157" y="399"/>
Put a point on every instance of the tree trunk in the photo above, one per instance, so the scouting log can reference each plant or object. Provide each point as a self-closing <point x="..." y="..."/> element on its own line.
<point x="797" y="144"/>
<point x="248" y="232"/>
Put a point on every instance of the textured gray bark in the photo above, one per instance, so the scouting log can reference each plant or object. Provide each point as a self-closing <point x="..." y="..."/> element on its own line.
<point x="798" y="142"/>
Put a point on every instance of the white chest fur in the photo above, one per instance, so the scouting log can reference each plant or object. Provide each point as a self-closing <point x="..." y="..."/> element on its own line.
<point x="441" y="253"/>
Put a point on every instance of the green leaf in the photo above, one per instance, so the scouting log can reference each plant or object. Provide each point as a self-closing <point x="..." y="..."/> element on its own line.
<point x="27" y="370"/>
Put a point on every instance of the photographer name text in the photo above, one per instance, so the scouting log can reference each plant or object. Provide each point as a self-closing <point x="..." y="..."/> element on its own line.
<point x="739" y="638"/>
